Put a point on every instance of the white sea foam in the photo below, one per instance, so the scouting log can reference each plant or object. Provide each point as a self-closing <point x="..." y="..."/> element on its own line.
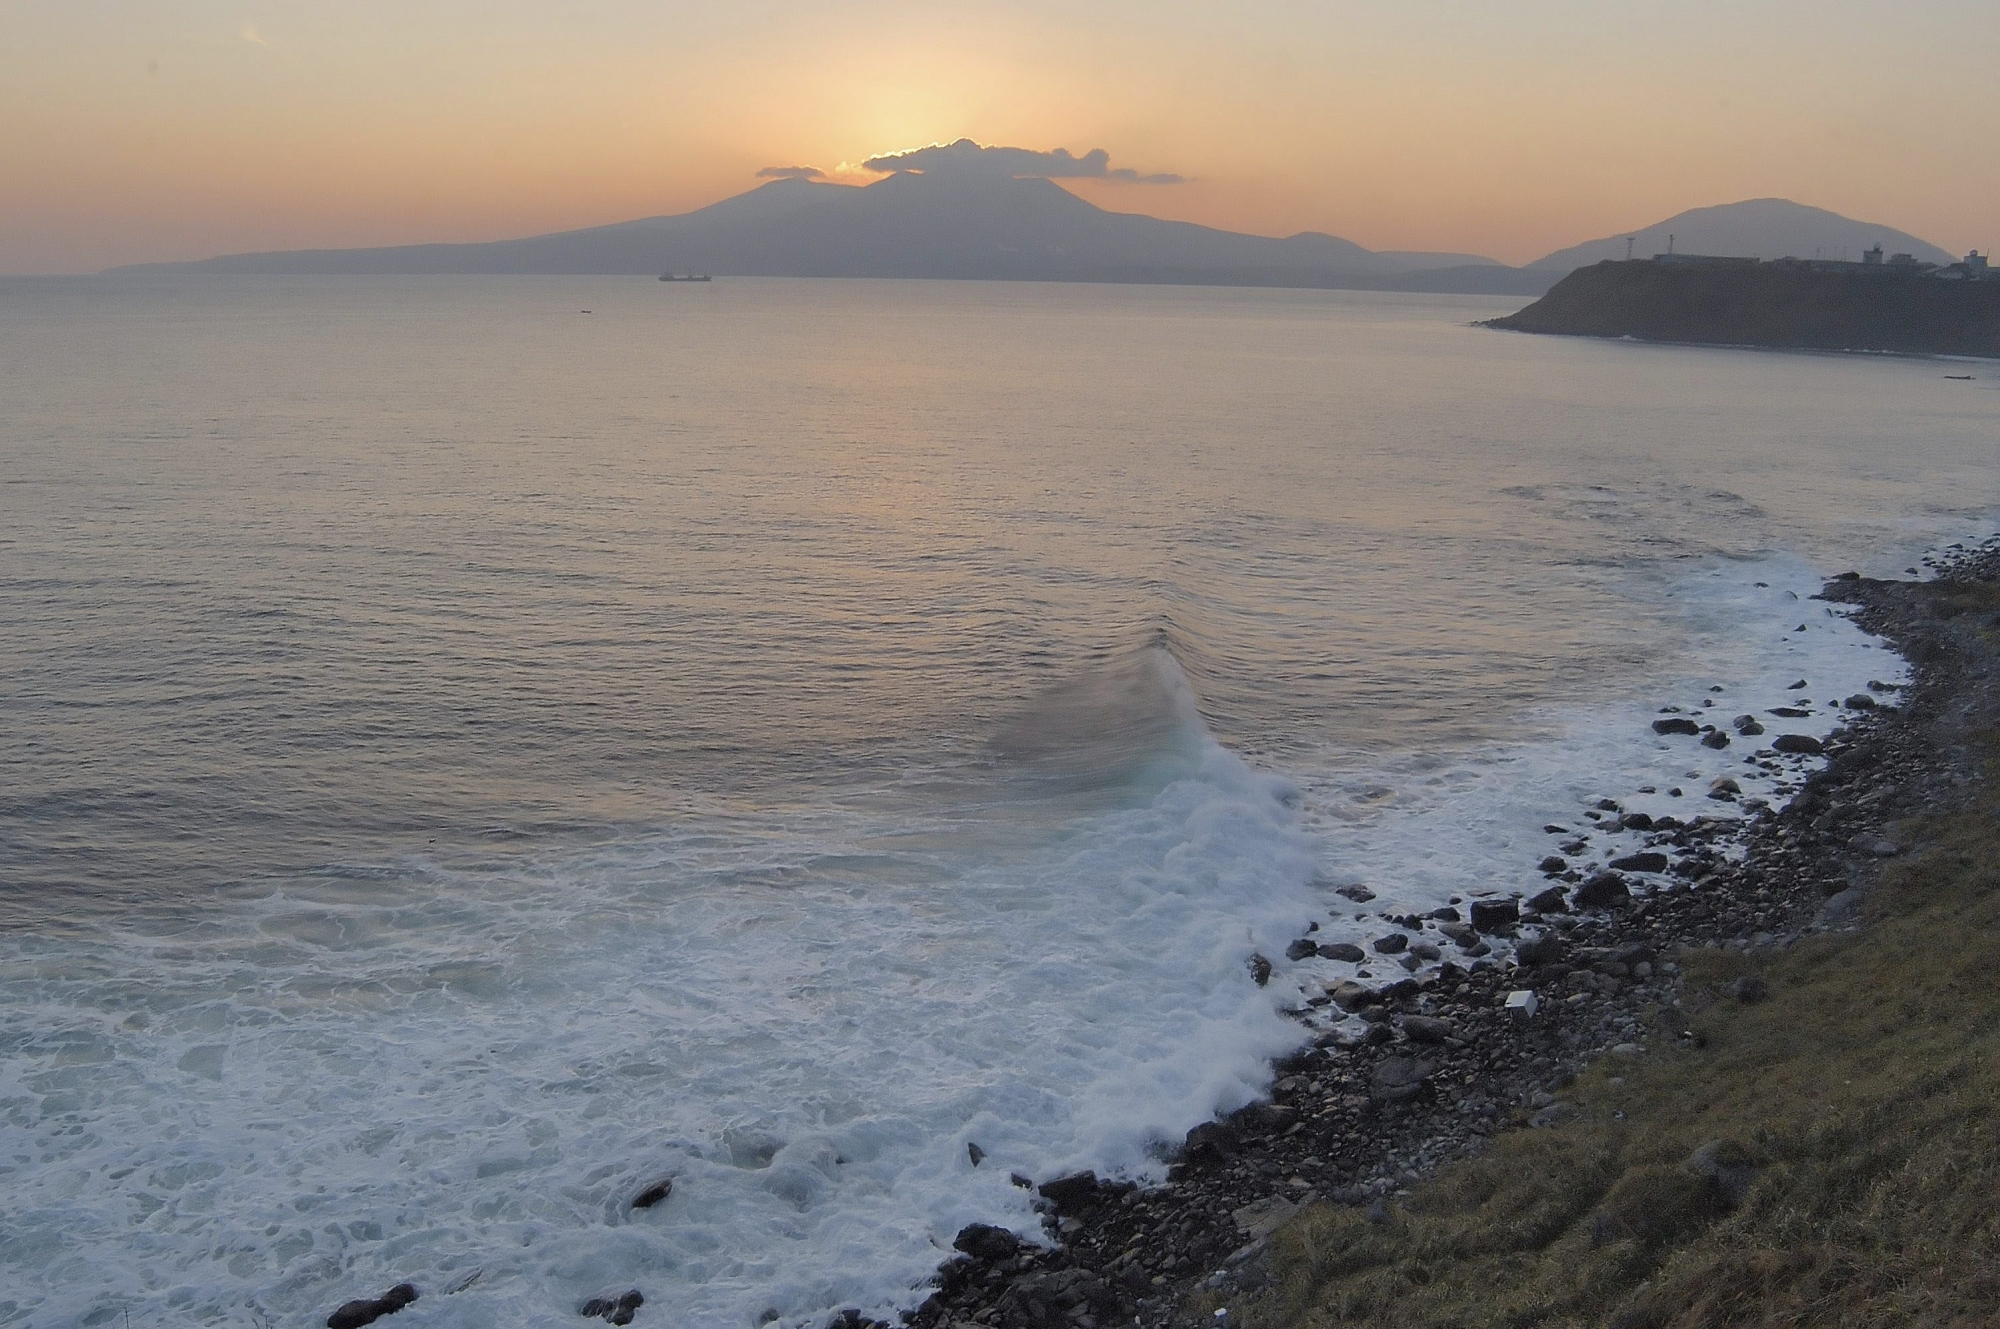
<point x="372" y="1076"/>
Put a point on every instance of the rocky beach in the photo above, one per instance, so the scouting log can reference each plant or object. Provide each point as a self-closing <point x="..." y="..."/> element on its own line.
<point x="1476" y="1022"/>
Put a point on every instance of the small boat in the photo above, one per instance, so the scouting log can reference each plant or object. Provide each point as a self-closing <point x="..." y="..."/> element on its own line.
<point x="668" y="275"/>
<point x="1963" y="378"/>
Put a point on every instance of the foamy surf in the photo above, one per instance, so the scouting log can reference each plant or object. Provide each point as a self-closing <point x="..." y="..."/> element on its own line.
<point x="461" y="1079"/>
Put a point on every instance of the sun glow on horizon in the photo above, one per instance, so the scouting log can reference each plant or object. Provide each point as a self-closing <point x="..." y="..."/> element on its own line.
<point x="1505" y="130"/>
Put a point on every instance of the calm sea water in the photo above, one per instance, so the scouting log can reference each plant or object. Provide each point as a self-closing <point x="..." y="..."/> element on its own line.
<point x="463" y="757"/>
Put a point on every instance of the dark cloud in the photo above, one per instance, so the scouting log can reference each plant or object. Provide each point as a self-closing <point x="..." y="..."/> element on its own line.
<point x="968" y="158"/>
<point x="790" y="173"/>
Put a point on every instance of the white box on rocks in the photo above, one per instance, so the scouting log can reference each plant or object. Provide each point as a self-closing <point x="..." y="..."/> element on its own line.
<point x="1523" y="1004"/>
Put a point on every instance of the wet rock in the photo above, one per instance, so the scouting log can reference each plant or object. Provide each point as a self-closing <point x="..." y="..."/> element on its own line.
<point x="654" y="1193"/>
<point x="1357" y="892"/>
<point x="1350" y="995"/>
<point x="1650" y="861"/>
<point x="1076" y="1191"/>
<point x="975" y="1153"/>
<point x="1342" y="950"/>
<point x="1545" y="949"/>
<point x="1796" y="686"/>
<point x="1460" y="934"/>
<point x="1747" y="726"/>
<point x="1860" y="701"/>
<point x="1790" y="712"/>
<point x="847" y="1319"/>
<point x="1397" y="1079"/>
<point x="1550" y="901"/>
<point x="1494" y="915"/>
<point x="1802" y="743"/>
<point x="1636" y="821"/>
<point x="1723" y="787"/>
<point x="1393" y="944"/>
<point x="1715" y="738"/>
<point x="1260" y="969"/>
<point x="1605" y="890"/>
<point x="1211" y="1139"/>
<point x="1424" y="950"/>
<point x="1302" y="949"/>
<point x="1444" y="914"/>
<point x="1553" y="864"/>
<point x="1428" y="1029"/>
<point x="614" y="1310"/>
<point x="1676" y="724"/>
<point x="354" y="1314"/>
<point x="983" y="1241"/>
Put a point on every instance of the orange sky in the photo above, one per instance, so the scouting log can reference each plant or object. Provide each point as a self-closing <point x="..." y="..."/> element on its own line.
<point x="135" y="130"/>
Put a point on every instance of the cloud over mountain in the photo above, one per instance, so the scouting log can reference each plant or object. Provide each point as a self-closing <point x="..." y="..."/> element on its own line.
<point x="790" y="173"/>
<point x="966" y="157"/>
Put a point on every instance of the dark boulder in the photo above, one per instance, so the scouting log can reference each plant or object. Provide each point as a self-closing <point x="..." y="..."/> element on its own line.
<point x="1749" y="989"/>
<point x="1494" y="915"/>
<point x="1550" y="901"/>
<point x="354" y="1314"/>
<point x="1211" y="1139"/>
<point x="1260" y="969"/>
<point x="1553" y="864"/>
<point x="1715" y="738"/>
<point x="975" y="1153"/>
<point x="1357" y="892"/>
<point x="1676" y="724"/>
<point x="614" y="1310"/>
<point x="1860" y="701"/>
<point x="1427" y="1029"/>
<point x="1728" y="1167"/>
<point x="1603" y="891"/>
<point x="1302" y="949"/>
<point x="1800" y="743"/>
<point x="1396" y="1079"/>
<point x="1393" y="944"/>
<point x="654" y="1193"/>
<point x="1350" y="995"/>
<point x="983" y="1241"/>
<point x="1545" y="949"/>
<point x="1650" y="861"/>
<point x="1076" y="1191"/>
<point x="1342" y="950"/>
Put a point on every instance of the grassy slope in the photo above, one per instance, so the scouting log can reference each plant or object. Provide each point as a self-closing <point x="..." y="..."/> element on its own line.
<point x="1866" y="1089"/>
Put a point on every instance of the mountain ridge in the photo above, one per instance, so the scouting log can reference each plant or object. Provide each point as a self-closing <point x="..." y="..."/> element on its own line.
<point x="1766" y="228"/>
<point x="944" y="225"/>
<point x="904" y="225"/>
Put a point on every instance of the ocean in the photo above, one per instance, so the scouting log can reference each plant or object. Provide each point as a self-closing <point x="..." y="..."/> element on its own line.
<point x="472" y="748"/>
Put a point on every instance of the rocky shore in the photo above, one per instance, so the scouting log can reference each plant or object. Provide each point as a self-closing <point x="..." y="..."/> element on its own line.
<point x="1521" y="994"/>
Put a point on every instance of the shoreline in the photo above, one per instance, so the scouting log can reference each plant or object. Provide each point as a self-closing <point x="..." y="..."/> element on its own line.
<point x="1445" y="1064"/>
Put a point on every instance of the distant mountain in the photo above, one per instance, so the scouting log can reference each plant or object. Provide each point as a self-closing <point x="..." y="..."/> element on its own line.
<point x="1758" y="228"/>
<point x="904" y="225"/>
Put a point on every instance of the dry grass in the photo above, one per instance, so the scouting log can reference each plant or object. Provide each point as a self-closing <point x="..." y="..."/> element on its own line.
<point x="1866" y="1092"/>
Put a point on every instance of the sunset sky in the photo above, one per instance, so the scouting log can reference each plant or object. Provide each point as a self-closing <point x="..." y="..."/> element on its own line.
<point x="134" y="130"/>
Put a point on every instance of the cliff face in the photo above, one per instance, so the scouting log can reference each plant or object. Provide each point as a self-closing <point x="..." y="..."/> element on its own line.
<point x="1770" y="304"/>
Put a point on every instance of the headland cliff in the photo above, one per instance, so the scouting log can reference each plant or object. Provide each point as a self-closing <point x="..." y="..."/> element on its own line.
<point x="1905" y="307"/>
